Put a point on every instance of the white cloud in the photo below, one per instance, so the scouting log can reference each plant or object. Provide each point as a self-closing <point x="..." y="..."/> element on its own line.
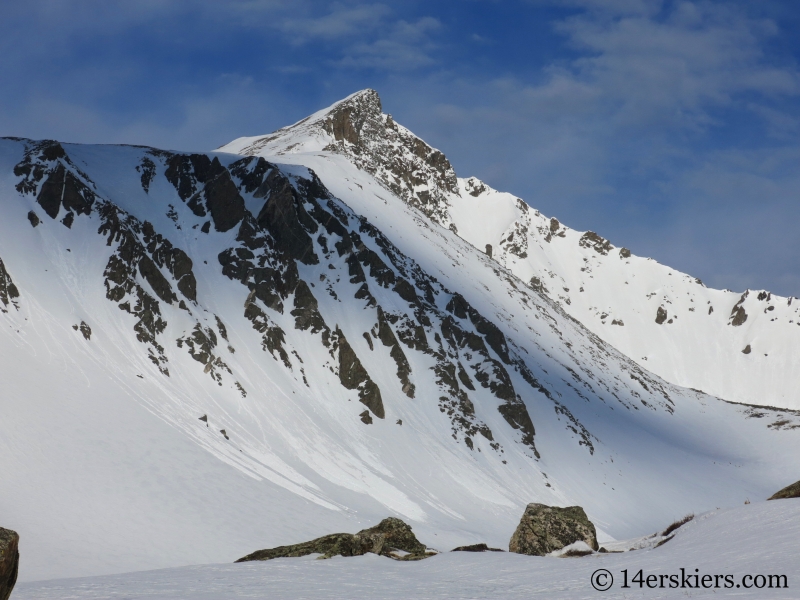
<point x="618" y="7"/>
<point x="677" y="68"/>
<point x="641" y="137"/>
<point x="341" y="22"/>
<point x="359" y="35"/>
<point x="405" y="47"/>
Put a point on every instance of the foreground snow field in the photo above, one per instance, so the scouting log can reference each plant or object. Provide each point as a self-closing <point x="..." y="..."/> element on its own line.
<point x="756" y="539"/>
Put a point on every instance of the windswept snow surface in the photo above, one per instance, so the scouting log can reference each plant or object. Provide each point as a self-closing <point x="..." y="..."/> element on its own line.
<point x="352" y="360"/>
<point x="759" y="539"/>
<point x="613" y="293"/>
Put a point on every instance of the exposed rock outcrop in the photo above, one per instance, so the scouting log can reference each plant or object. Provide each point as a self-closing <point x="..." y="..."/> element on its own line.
<point x="790" y="491"/>
<point x="286" y="218"/>
<point x="404" y="163"/>
<point x="8" y="291"/>
<point x="738" y="314"/>
<point x="555" y="230"/>
<point x="85" y="330"/>
<point x="391" y="537"/>
<point x="354" y="376"/>
<point x="62" y="188"/>
<point x="399" y="160"/>
<point x="201" y="344"/>
<point x="476" y="548"/>
<point x="595" y="242"/>
<point x="386" y="335"/>
<point x="144" y="267"/>
<point x="544" y="529"/>
<point x="224" y="202"/>
<point x="9" y="561"/>
<point x="274" y="337"/>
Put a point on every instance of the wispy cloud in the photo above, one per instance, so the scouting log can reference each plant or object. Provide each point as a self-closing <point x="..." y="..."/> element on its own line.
<point x="677" y="68"/>
<point x="368" y="36"/>
<point x="405" y="47"/>
<point x="669" y="131"/>
<point x="340" y="22"/>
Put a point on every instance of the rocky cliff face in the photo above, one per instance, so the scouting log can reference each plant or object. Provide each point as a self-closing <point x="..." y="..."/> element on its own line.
<point x="8" y="291"/>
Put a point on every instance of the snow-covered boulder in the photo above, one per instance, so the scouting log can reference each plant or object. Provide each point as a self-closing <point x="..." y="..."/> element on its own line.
<point x="544" y="529"/>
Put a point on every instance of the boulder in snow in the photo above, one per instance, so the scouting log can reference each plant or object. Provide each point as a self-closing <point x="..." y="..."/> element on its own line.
<point x="790" y="491"/>
<point x="9" y="561"/>
<point x="544" y="529"/>
<point x="476" y="548"/>
<point x="391" y="537"/>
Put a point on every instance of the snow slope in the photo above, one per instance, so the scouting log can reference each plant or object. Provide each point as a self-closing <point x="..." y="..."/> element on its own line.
<point x="350" y="359"/>
<point x="700" y="342"/>
<point x="759" y="539"/>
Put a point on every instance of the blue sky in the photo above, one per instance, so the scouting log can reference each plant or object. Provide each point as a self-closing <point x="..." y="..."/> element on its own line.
<point x="671" y="128"/>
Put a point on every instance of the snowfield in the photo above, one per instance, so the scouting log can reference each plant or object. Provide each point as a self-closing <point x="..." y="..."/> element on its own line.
<point x="757" y="539"/>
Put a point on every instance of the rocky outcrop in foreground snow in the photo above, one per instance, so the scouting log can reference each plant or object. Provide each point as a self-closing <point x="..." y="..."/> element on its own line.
<point x="391" y="537"/>
<point x="476" y="548"/>
<point x="545" y="529"/>
<point x="9" y="561"/>
<point x="790" y="491"/>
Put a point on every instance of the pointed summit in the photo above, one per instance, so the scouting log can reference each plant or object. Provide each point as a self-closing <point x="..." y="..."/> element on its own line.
<point x="357" y="128"/>
<point x="346" y="119"/>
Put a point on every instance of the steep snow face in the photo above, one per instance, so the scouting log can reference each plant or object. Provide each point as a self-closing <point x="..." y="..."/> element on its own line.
<point x="740" y="347"/>
<point x="207" y="354"/>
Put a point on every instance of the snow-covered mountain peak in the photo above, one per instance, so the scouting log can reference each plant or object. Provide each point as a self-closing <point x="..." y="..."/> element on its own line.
<point x="357" y="128"/>
<point x="665" y="320"/>
<point x="271" y="346"/>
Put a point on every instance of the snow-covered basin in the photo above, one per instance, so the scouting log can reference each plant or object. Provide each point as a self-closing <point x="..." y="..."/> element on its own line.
<point x="755" y="539"/>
